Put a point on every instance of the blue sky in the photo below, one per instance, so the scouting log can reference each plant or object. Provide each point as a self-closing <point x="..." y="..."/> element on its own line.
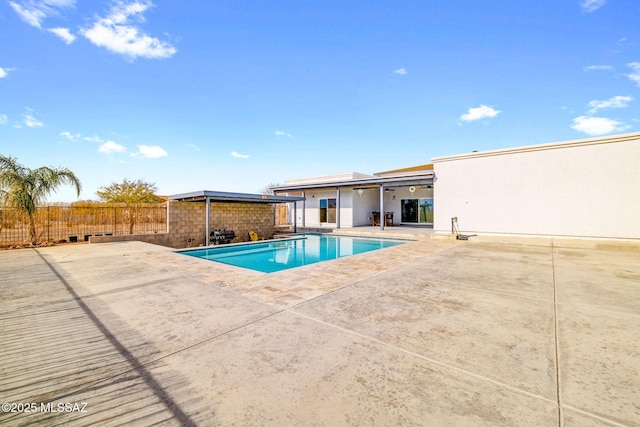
<point x="234" y="95"/>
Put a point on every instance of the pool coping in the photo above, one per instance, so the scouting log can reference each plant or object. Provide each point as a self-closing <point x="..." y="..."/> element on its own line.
<point x="222" y="248"/>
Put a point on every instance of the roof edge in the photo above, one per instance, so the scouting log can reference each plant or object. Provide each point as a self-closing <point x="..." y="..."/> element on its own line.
<point x="541" y="147"/>
<point x="202" y="195"/>
<point x="426" y="178"/>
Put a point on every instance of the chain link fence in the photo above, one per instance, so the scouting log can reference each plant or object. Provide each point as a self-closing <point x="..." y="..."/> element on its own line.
<point x="78" y="221"/>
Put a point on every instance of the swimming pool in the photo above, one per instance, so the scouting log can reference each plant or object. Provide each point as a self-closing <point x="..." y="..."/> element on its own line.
<point x="277" y="255"/>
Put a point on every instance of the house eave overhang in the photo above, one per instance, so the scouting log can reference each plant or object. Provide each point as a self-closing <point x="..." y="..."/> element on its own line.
<point x="395" y="181"/>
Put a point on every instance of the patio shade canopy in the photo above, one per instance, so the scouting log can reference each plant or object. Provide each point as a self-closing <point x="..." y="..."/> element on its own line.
<point x="395" y="181"/>
<point x="221" y="196"/>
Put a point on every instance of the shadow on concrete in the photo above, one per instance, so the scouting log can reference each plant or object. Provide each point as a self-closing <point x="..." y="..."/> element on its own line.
<point x="136" y="365"/>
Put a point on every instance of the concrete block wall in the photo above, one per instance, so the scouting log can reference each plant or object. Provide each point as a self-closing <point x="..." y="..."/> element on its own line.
<point x="187" y="221"/>
<point x="243" y="217"/>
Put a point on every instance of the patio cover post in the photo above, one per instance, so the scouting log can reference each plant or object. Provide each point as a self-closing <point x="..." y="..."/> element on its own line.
<point x="208" y="215"/>
<point x="337" y="207"/>
<point x="295" y="217"/>
<point x="381" y="207"/>
<point x="304" y="221"/>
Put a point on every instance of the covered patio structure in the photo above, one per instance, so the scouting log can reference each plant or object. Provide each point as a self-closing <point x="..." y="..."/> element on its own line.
<point x="219" y="197"/>
<point x="398" y="196"/>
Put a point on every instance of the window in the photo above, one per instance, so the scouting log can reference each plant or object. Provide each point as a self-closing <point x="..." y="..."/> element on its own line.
<point x="328" y="210"/>
<point x="417" y="211"/>
<point x="426" y="211"/>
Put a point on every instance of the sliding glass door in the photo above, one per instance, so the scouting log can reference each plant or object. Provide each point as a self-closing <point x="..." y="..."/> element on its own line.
<point x="417" y="211"/>
<point x="426" y="211"/>
<point x="409" y="210"/>
<point x="327" y="211"/>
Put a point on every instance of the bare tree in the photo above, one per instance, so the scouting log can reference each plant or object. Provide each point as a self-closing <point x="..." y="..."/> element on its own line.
<point x="268" y="189"/>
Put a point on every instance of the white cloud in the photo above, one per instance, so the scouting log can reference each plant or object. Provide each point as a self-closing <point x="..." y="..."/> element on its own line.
<point x="63" y="33"/>
<point x="595" y="126"/>
<point x="30" y="15"/>
<point x="238" y="155"/>
<point x="281" y="133"/>
<point x="3" y="119"/>
<point x="151" y="151"/>
<point x="597" y="67"/>
<point x="30" y="120"/>
<point x="118" y="34"/>
<point x="481" y="112"/>
<point x="93" y="139"/>
<point x="615" y="102"/>
<point x="110" y="147"/>
<point x="33" y="12"/>
<point x="60" y="3"/>
<point x="592" y="5"/>
<point x="635" y="75"/>
<point x="70" y="136"/>
<point x="400" y="71"/>
<point x="4" y="72"/>
<point x="194" y="147"/>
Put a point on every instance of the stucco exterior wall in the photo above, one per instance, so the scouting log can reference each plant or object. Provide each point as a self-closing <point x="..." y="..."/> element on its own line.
<point x="356" y="208"/>
<point x="312" y="207"/>
<point x="364" y="204"/>
<point x="346" y="207"/>
<point x="586" y="188"/>
<point x="187" y="221"/>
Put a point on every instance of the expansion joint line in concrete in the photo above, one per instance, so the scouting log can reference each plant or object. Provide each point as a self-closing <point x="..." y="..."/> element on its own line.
<point x="557" y="348"/>
<point x="137" y="367"/>
<point x="425" y="358"/>
<point x="142" y="367"/>
<point x="244" y="325"/>
<point x="555" y="329"/>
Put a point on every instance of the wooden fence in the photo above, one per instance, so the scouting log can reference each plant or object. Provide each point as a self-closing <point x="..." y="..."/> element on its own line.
<point x="79" y="221"/>
<point x="282" y="214"/>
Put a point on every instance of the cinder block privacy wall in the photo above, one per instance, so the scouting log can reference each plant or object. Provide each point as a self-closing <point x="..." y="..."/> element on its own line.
<point x="186" y="220"/>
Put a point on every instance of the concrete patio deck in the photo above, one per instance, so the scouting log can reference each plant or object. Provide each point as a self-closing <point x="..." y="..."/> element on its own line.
<point x="433" y="332"/>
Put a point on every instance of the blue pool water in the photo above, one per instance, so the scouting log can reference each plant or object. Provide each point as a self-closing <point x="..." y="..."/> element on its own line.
<point x="277" y="255"/>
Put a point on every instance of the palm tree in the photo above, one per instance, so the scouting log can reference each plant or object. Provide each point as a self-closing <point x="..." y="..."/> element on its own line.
<point x="25" y="188"/>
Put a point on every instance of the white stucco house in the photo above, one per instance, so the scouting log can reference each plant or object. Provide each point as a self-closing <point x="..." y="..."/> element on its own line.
<point x="586" y="188"/>
<point x="404" y="196"/>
